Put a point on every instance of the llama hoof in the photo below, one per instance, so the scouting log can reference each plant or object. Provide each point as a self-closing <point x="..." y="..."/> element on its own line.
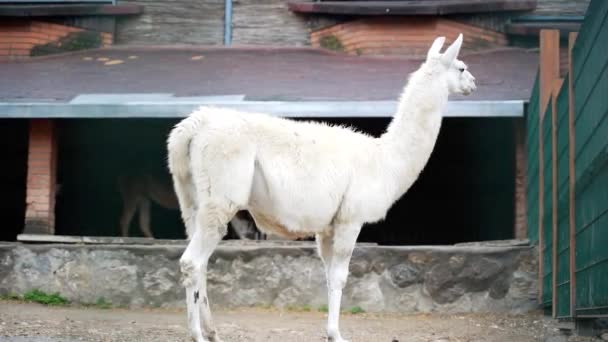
<point x="194" y="339"/>
<point x="339" y="339"/>
<point x="199" y="338"/>
<point x="215" y="338"/>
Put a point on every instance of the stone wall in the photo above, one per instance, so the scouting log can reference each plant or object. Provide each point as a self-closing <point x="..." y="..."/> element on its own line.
<point x="266" y="22"/>
<point x="476" y="278"/>
<point x="173" y="22"/>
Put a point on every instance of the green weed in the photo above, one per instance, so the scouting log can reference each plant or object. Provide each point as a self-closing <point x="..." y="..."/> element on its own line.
<point x="41" y="297"/>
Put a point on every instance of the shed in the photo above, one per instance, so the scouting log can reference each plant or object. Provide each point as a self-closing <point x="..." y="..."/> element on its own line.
<point x="86" y="117"/>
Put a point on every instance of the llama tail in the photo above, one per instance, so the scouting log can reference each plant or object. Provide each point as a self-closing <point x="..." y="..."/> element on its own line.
<point x="178" y="146"/>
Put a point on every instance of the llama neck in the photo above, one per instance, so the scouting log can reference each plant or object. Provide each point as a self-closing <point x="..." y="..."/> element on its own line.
<point x="411" y="135"/>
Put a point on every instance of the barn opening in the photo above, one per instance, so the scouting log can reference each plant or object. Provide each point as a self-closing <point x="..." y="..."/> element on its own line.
<point x="466" y="192"/>
<point x="13" y="173"/>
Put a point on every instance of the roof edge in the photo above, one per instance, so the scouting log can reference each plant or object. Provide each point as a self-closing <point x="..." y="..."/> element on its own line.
<point x="294" y="109"/>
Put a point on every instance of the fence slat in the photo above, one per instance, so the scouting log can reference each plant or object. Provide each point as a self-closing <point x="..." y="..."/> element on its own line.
<point x="549" y="70"/>
<point x="557" y="84"/>
<point x="572" y="171"/>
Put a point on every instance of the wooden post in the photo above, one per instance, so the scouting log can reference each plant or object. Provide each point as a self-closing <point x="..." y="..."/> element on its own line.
<point x="549" y="70"/>
<point x="557" y="85"/>
<point x="572" y="174"/>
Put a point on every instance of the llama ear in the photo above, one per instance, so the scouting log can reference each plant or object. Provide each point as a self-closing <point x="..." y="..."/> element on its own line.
<point x="452" y="52"/>
<point x="436" y="47"/>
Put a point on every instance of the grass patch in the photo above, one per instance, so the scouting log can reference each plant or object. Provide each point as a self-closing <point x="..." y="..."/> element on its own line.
<point x="305" y="308"/>
<point x="10" y="296"/>
<point x="74" y="41"/>
<point x="262" y="306"/>
<point x="41" y="297"/>
<point x="331" y="42"/>
<point x="323" y="308"/>
<point x="356" y="310"/>
<point x="101" y="303"/>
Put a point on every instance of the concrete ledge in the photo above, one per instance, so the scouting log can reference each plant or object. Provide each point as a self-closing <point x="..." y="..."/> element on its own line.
<point x="403" y="279"/>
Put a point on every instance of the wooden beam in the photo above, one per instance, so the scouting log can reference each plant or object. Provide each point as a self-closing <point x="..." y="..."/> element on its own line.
<point x="549" y="65"/>
<point x="534" y="28"/>
<point x="572" y="174"/>
<point x="557" y="85"/>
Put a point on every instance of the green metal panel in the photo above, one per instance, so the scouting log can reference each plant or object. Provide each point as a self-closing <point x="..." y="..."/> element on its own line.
<point x="591" y="242"/>
<point x="532" y="172"/>
<point x="548" y="207"/>
<point x="591" y="100"/>
<point x="563" y="192"/>
<point x="587" y="37"/>
<point x="590" y="79"/>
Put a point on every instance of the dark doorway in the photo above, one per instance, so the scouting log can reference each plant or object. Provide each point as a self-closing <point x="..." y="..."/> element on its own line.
<point x="13" y="173"/>
<point x="93" y="155"/>
<point x="466" y="192"/>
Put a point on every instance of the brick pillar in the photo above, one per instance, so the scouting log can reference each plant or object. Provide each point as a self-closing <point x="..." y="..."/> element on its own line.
<point x="41" y="177"/>
<point x="521" y="202"/>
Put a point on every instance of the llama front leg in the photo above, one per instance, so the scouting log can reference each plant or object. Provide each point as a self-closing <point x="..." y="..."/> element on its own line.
<point x="324" y="245"/>
<point x="344" y="239"/>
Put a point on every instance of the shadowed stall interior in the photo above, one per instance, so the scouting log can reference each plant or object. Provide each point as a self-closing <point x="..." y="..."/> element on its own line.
<point x="466" y="192"/>
<point x="13" y="173"/>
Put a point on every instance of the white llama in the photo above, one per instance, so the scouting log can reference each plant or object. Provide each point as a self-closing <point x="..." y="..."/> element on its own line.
<point x="302" y="178"/>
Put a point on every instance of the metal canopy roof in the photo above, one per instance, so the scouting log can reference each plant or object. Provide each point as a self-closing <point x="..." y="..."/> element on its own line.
<point x="313" y="109"/>
<point x="171" y="82"/>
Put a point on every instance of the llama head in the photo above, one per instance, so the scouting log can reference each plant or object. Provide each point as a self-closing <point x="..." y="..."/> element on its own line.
<point x="457" y="75"/>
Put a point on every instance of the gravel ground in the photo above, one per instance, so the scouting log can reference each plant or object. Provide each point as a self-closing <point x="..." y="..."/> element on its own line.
<point x="27" y="322"/>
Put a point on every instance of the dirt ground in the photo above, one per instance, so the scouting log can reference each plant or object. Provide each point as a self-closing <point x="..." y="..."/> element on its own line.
<point x="25" y="322"/>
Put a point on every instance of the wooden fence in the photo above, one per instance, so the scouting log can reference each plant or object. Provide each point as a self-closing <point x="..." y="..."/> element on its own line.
<point x="567" y="191"/>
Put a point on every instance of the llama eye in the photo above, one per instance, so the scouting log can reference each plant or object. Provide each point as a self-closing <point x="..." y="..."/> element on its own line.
<point x="461" y="69"/>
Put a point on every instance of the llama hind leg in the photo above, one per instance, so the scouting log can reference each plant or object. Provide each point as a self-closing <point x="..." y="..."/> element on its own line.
<point x="190" y="272"/>
<point x="210" y="228"/>
<point x="144" y="218"/>
<point x="129" y="208"/>
<point x="343" y="244"/>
